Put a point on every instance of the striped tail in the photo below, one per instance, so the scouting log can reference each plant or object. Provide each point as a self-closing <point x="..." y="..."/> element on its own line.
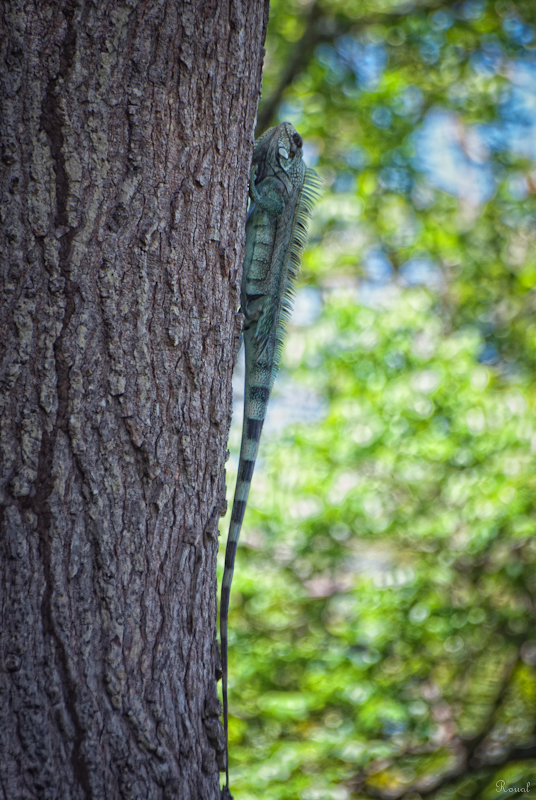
<point x="255" y="404"/>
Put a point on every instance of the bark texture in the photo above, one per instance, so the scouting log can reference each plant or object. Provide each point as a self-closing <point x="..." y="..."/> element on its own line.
<point x="126" y="133"/>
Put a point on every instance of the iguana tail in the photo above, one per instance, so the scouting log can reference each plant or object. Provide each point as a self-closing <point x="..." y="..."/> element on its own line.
<point x="257" y="393"/>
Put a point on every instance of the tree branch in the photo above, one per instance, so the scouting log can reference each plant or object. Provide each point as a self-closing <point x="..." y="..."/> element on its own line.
<point x="317" y="31"/>
<point x="312" y="36"/>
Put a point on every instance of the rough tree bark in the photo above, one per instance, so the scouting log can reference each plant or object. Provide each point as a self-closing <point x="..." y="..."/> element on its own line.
<point x="126" y="134"/>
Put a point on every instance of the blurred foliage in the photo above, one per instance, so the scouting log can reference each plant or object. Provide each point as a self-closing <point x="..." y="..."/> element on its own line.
<point x="362" y="102"/>
<point x="382" y="624"/>
<point x="383" y="608"/>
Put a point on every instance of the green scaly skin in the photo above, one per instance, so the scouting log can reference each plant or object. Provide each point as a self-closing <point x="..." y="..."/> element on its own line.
<point x="282" y="191"/>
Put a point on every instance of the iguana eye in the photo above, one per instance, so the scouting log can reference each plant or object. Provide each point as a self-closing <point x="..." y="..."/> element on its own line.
<point x="283" y="152"/>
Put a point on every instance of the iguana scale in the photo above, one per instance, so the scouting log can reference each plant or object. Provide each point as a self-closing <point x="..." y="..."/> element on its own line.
<point x="282" y="192"/>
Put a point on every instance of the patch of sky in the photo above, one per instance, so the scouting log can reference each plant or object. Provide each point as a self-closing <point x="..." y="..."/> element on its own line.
<point x="379" y="273"/>
<point x="431" y="47"/>
<point x="307" y="306"/>
<point x="491" y="45"/>
<point x="488" y="354"/>
<point x="408" y="103"/>
<point x="350" y="88"/>
<point x="356" y="157"/>
<point x="422" y="195"/>
<point x="455" y="53"/>
<point x="291" y="111"/>
<point x="458" y="93"/>
<point x="311" y="152"/>
<point x="489" y="59"/>
<point x="377" y="295"/>
<point x="517" y="31"/>
<point x="454" y="158"/>
<point x="395" y="179"/>
<point x="499" y="171"/>
<point x="472" y="9"/>
<point x="519" y="104"/>
<point x="442" y="20"/>
<point x="344" y="182"/>
<point x="282" y="408"/>
<point x="516" y="129"/>
<point x="381" y="117"/>
<point x="367" y="60"/>
<point x="396" y="156"/>
<point x="336" y="69"/>
<point x="421" y="271"/>
<point x="377" y="266"/>
<point x="392" y="728"/>
<point x="394" y="359"/>
<point x="486" y="323"/>
<point x="483" y="64"/>
<point x="517" y="186"/>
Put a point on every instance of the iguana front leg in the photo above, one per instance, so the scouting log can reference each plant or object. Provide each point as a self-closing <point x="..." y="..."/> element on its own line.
<point x="270" y="199"/>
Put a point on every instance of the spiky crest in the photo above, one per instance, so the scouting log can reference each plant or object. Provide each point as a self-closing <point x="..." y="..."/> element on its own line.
<point x="309" y="194"/>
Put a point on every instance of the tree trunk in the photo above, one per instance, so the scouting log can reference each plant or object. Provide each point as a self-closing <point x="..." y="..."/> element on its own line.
<point x="126" y="137"/>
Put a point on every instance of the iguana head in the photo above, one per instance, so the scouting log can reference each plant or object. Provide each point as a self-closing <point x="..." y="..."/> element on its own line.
<point x="278" y="153"/>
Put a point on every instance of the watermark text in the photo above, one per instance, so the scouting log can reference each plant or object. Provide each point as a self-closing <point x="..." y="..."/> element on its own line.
<point x="500" y="786"/>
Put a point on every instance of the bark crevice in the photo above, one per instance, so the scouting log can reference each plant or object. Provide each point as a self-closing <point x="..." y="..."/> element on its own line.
<point x="126" y="135"/>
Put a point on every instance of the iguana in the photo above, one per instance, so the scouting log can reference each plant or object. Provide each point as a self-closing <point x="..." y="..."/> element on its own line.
<point x="282" y="192"/>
